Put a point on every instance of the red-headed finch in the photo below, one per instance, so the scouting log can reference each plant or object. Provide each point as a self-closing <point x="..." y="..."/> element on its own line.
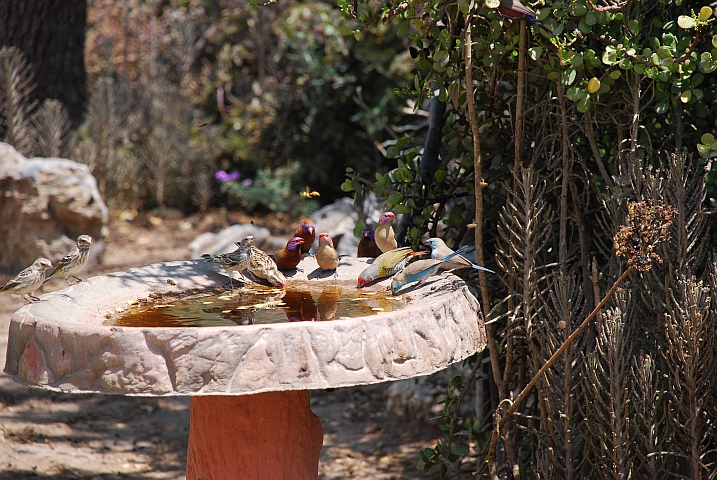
<point x="73" y="263"/>
<point x="383" y="234"/>
<point x="307" y="231"/>
<point x="29" y="280"/>
<point x="261" y="265"/>
<point x="326" y="256"/>
<point x="367" y="245"/>
<point x="289" y="256"/>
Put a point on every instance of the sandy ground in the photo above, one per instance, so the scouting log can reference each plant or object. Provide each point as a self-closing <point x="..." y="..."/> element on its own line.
<point x="51" y="435"/>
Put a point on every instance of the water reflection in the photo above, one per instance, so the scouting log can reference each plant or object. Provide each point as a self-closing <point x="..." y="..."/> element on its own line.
<point x="256" y="304"/>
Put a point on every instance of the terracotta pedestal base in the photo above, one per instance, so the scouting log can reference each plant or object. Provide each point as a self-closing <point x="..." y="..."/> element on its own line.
<point x="267" y="436"/>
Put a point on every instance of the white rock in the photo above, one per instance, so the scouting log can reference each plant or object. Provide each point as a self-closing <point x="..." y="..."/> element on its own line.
<point x="45" y="204"/>
<point x="223" y="242"/>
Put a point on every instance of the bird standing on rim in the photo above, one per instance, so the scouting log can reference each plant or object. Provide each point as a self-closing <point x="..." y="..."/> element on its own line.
<point x="367" y="245"/>
<point x="326" y="256"/>
<point x="261" y="265"/>
<point x="29" y="280"/>
<point x="439" y="251"/>
<point x="307" y="231"/>
<point x="235" y="261"/>
<point x="289" y="257"/>
<point x="73" y="263"/>
<point x="515" y="9"/>
<point x="420" y="270"/>
<point x="386" y="265"/>
<point x="383" y="234"/>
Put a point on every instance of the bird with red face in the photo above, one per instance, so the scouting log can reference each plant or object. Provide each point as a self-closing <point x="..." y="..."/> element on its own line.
<point x="515" y="9"/>
<point x="383" y="234"/>
<point x="307" y="231"/>
<point x="367" y="245"/>
<point x="289" y="257"/>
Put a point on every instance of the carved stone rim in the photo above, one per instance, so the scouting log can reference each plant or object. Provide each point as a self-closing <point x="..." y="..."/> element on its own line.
<point x="63" y="344"/>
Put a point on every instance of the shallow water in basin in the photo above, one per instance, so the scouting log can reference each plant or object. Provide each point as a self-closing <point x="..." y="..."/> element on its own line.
<point x="256" y="304"/>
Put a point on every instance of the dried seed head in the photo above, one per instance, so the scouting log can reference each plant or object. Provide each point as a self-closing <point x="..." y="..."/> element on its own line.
<point x="647" y="226"/>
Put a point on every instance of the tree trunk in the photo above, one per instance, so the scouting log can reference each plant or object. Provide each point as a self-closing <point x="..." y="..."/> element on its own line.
<point x="52" y="35"/>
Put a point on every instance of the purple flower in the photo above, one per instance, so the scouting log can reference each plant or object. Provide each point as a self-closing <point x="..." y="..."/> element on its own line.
<point x="224" y="177"/>
<point x="247" y="182"/>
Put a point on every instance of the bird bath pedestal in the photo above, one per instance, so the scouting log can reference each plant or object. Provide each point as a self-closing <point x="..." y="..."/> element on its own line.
<point x="250" y="385"/>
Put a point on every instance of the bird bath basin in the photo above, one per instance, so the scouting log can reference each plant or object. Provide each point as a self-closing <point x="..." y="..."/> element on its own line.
<point x="250" y="384"/>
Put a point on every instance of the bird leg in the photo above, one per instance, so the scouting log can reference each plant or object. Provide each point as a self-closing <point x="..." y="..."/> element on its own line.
<point x="79" y="280"/>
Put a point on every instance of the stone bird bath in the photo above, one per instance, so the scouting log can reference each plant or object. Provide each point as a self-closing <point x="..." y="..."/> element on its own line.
<point x="250" y="385"/>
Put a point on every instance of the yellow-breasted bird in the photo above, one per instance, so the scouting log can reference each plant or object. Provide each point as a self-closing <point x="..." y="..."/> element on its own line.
<point x="386" y="265"/>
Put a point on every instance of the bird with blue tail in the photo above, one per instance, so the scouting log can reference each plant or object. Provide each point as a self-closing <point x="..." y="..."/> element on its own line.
<point x="420" y="270"/>
<point x="439" y="251"/>
<point x="516" y="10"/>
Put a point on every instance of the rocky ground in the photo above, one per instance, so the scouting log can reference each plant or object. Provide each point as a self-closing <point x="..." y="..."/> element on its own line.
<point x="60" y="436"/>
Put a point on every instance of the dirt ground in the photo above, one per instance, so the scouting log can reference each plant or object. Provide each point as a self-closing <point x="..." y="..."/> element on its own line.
<point x="61" y="436"/>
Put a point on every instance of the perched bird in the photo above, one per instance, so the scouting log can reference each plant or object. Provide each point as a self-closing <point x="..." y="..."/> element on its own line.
<point x="326" y="256"/>
<point x="29" y="280"/>
<point x="261" y="265"/>
<point x="289" y="256"/>
<point x="439" y="251"/>
<point x="367" y="246"/>
<point x="307" y="231"/>
<point x="385" y="265"/>
<point x="515" y="9"/>
<point x="383" y="234"/>
<point x="73" y="263"/>
<point x="420" y="270"/>
<point x="235" y="261"/>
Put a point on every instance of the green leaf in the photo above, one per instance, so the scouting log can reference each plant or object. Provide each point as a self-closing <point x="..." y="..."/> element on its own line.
<point x="686" y="22"/>
<point x="492" y="3"/>
<point x="357" y="35"/>
<point x="633" y="26"/>
<point x="577" y="59"/>
<point x="575" y="93"/>
<point x="535" y="52"/>
<point x="392" y="152"/>
<point x="403" y="28"/>
<point x="662" y="106"/>
<point x="584" y="104"/>
<point x="345" y="30"/>
<point x="347" y="186"/>
<point x="400" y="208"/>
<point x="359" y="228"/>
<point x="591" y="18"/>
<point x="593" y="85"/>
<point x="707" y="139"/>
<point x="705" y="14"/>
<point x="686" y="96"/>
<point x="568" y="76"/>
<point x="460" y="449"/>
